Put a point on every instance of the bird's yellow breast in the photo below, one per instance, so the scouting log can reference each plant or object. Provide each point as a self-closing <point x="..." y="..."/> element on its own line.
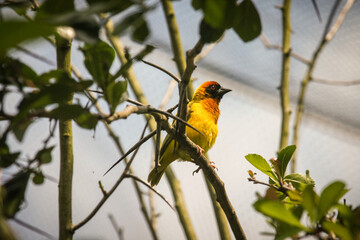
<point x="204" y="118"/>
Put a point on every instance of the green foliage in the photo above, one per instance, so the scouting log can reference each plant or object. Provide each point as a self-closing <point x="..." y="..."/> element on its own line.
<point x="291" y="197"/>
<point x="242" y="17"/>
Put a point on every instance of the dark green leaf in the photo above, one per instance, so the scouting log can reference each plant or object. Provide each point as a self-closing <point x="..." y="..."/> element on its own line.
<point x="55" y="7"/>
<point x="20" y="129"/>
<point x="116" y="93"/>
<point x="330" y="197"/>
<point x="114" y="6"/>
<point x="209" y="34"/>
<point x="17" y="32"/>
<point x="141" y="31"/>
<point x="86" y="120"/>
<point x="339" y="230"/>
<point x="133" y="19"/>
<point x="284" y="157"/>
<point x="247" y="23"/>
<point x="44" y="155"/>
<point x="38" y="178"/>
<point x="299" y="181"/>
<point x="20" y="7"/>
<point x="286" y="232"/>
<point x="7" y="158"/>
<point x="98" y="60"/>
<point x="310" y="201"/>
<point x="14" y="192"/>
<point x="14" y="72"/>
<point x="277" y="210"/>
<point x="79" y="114"/>
<point x="219" y="14"/>
<point x="260" y="163"/>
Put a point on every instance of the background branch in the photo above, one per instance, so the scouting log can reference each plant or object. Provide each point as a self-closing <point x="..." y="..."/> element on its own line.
<point x="304" y="84"/>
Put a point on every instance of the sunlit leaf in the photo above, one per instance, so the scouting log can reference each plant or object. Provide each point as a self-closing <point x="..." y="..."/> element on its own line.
<point x="330" y="197"/>
<point x="284" y="157"/>
<point x="299" y="181"/>
<point x="341" y="231"/>
<point x="260" y="163"/>
<point x="278" y="211"/>
<point x="310" y="201"/>
<point x="247" y="23"/>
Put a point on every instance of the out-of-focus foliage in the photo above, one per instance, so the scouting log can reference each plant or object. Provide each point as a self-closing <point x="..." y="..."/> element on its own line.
<point x="292" y="197"/>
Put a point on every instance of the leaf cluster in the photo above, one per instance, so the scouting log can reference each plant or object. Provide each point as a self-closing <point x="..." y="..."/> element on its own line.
<point x="291" y="198"/>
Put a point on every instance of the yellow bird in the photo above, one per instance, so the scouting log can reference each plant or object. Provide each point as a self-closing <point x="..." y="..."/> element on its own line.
<point x="202" y="113"/>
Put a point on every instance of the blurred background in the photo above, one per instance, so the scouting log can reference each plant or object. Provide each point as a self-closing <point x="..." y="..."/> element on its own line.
<point x="329" y="144"/>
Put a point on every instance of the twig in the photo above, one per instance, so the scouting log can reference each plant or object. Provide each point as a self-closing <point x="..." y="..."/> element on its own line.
<point x="304" y="84"/>
<point x="333" y="82"/>
<point x="150" y="187"/>
<point x="36" y="56"/>
<point x="157" y="145"/>
<point x="108" y="194"/>
<point x="163" y="70"/>
<point x="168" y="95"/>
<point x="119" y="231"/>
<point x="33" y="228"/>
<point x="133" y="148"/>
<point x="268" y="45"/>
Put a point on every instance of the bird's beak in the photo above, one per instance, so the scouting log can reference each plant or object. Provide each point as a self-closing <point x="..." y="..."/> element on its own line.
<point x="222" y="91"/>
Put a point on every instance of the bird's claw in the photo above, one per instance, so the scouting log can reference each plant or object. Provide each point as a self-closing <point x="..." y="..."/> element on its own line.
<point x="199" y="150"/>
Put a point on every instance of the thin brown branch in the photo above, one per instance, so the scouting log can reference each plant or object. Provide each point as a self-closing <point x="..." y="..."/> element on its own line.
<point x="36" y="56"/>
<point x="334" y="82"/>
<point x="119" y="231"/>
<point x="163" y="70"/>
<point x="150" y="187"/>
<point x="293" y="54"/>
<point x="305" y="82"/>
<point x="33" y="228"/>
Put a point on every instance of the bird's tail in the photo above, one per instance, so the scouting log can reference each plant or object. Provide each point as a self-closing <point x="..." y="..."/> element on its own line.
<point x="156" y="174"/>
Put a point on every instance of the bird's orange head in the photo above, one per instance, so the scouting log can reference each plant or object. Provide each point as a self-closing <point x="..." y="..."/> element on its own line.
<point x="210" y="90"/>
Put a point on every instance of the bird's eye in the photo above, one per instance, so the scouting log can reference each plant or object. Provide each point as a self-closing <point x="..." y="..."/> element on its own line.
<point x="212" y="87"/>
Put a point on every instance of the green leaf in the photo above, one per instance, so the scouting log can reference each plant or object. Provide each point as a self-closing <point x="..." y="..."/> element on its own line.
<point x="14" y="193"/>
<point x="141" y="31"/>
<point x="299" y="181"/>
<point x="38" y="178"/>
<point x="116" y="93"/>
<point x="7" y="158"/>
<point x="247" y="23"/>
<point x="219" y="14"/>
<point x="343" y="232"/>
<point x="284" y="157"/>
<point x="44" y="155"/>
<point x="17" y="32"/>
<point x="309" y="201"/>
<point x="330" y="197"/>
<point x="79" y="114"/>
<point x="278" y="211"/>
<point x="209" y="34"/>
<point x="260" y="163"/>
<point x="98" y="60"/>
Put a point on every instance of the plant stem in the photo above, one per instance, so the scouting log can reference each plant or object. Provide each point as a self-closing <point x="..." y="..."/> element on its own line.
<point x="116" y="43"/>
<point x="175" y="39"/>
<point x="285" y="74"/>
<point x="219" y="214"/>
<point x="63" y="52"/>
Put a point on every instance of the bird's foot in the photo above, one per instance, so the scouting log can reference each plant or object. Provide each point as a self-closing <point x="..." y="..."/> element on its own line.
<point x="196" y="171"/>
<point x="200" y="151"/>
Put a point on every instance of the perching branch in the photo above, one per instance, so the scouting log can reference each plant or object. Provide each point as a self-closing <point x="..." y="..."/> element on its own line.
<point x="285" y="74"/>
<point x="327" y="36"/>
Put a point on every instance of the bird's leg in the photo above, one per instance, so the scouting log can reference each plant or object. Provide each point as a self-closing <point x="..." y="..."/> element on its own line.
<point x="213" y="165"/>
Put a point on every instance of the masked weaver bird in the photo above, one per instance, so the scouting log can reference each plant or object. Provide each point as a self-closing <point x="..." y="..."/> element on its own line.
<point x="203" y="114"/>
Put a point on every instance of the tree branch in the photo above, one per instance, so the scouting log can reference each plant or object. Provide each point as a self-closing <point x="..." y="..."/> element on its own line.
<point x="304" y="84"/>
